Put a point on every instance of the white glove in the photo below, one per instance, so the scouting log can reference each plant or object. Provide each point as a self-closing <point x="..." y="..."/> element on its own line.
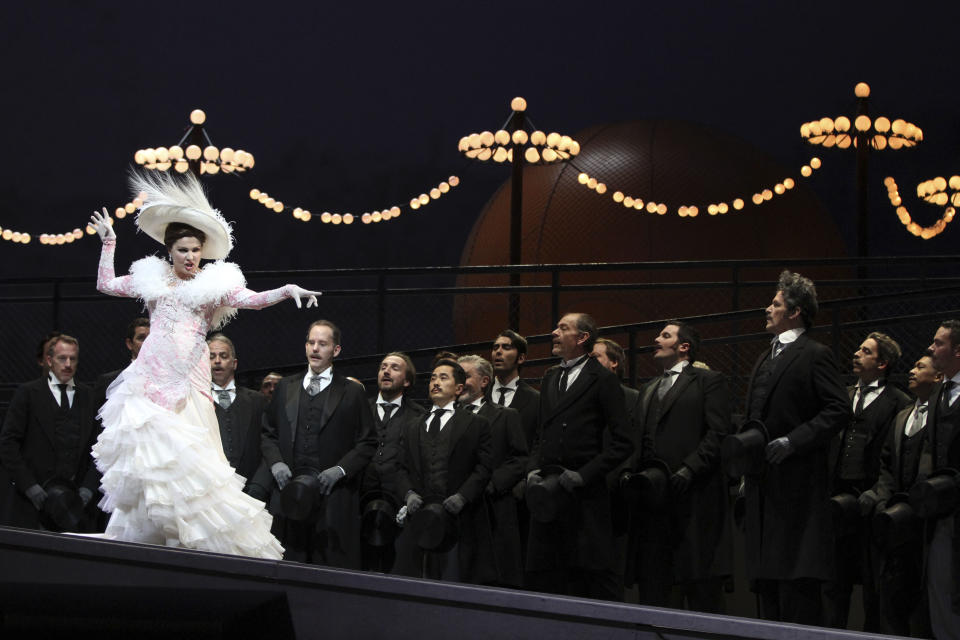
<point x="299" y="292"/>
<point x="103" y="224"/>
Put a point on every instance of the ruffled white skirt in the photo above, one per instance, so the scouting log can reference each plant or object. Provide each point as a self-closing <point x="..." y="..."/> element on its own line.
<point x="166" y="480"/>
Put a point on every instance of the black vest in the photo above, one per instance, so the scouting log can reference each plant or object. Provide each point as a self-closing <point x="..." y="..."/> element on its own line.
<point x="225" y="419"/>
<point x="761" y="388"/>
<point x="66" y="433"/>
<point x="943" y="432"/>
<point x="434" y="454"/>
<point x="306" y="448"/>
<point x="908" y="465"/>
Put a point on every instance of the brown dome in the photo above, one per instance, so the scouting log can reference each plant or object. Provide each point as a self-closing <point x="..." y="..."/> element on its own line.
<point x="673" y="162"/>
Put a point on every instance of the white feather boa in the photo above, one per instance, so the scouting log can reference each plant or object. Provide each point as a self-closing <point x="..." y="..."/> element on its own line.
<point x="153" y="278"/>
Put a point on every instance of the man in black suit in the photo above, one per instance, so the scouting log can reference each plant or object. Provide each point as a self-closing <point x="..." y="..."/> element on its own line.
<point x="391" y="410"/>
<point x="855" y="466"/>
<point x="508" y="463"/>
<point x="446" y="458"/>
<point x="796" y="391"/>
<point x="683" y="552"/>
<point x="611" y="356"/>
<point x="319" y="424"/>
<point x="584" y="432"/>
<point x="240" y="414"/>
<point x="137" y="332"/>
<point x="942" y="451"/>
<point x="900" y="570"/>
<point x="508" y="390"/>
<point x="47" y="434"/>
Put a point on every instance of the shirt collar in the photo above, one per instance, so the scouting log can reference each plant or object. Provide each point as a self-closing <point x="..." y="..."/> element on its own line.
<point x="395" y="401"/>
<point x="512" y="384"/>
<point x="327" y="375"/>
<point x="53" y="381"/>
<point x="477" y="403"/>
<point x="788" y="336"/>
<point x="679" y="367"/>
<point x="447" y="407"/>
<point x="231" y="386"/>
<point x="570" y="364"/>
<point x="870" y="386"/>
<point x="955" y="378"/>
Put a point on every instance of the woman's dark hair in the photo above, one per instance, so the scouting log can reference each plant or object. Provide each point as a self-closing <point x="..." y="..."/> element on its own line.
<point x="178" y="230"/>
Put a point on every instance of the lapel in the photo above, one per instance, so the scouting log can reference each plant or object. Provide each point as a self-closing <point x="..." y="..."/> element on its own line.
<point x="292" y="404"/>
<point x="585" y="379"/>
<point x="47" y="410"/>
<point x="899" y="427"/>
<point x="683" y="380"/>
<point x="82" y="400"/>
<point x="411" y="440"/>
<point x="334" y="395"/>
<point x="782" y="362"/>
<point x="458" y="425"/>
<point x="521" y="397"/>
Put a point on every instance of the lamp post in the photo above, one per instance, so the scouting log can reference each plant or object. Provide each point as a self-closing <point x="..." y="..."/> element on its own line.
<point x="513" y="144"/>
<point x="195" y="152"/>
<point x="877" y="134"/>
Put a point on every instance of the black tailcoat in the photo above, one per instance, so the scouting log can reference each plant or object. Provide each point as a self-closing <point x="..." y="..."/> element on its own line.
<point x="694" y="417"/>
<point x="468" y="472"/>
<point x="789" y="527"/>
<point x="381" y="473"/>
<point x="28" y="448"/>
<point x="346" y="439"/>
<point x="243" y="439"/>
<point x="584" y="429"/>
<point x="509" y="464"/>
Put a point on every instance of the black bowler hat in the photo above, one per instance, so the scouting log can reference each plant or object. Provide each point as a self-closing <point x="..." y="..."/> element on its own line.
<point x="378" y="522"/>
<point x="301" y="498"/>
<point x="547" y="499"/>
<point x="433" y="527"/>
<point x="742" y="453"/>
<point x="897" y="524"/>
<point x="938" y="495"/>
<point x="649" y="486"/>
<point x="845" y="510"/>
<point x="63" y="508"/>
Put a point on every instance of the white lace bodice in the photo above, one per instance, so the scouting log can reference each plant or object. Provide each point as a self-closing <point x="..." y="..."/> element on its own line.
<point x="175" y="354"/>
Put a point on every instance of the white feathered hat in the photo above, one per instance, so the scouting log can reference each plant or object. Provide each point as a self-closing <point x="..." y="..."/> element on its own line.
<point x="180" y="199"/>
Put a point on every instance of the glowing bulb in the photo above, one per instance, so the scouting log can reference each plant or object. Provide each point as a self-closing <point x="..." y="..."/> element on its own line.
<point x="532" y="155"/>
<point x="139" y="157"/>
<point x="789" y="183"/>
<point x="453" y="180"/>
<point x="628" y="202"/>
<point x="652" y="207"/>
<point x="502" y="137"/>
<point x="193" y="152"/>
<point x="862" y="90"/>
<point x="738" y="204"/>
<point x="336" y="218"/>
<point x="278" y="207"/>
<point x="424" y="198"/>
<point x="415" y="204"/>
<point x="862" y="123"/>
<point x="434" y="193"/>
<point x="444" y="187"/>
<point x="722" y="208"/>
<point x="325" y="217"/>
<point x="254" y="194"/>
<point x="520" y="136"/>
<point x="305" y="216"/>
<point x="518" y="104"/>
<point x="601" y="188"/>
<point x="842" y="123"/>
<point x="591" y="183"/>
<point x="197" y="116"/>
<point x="757" y="199"/>
<point x="538" y="138"/>
<point x="814" y="163"/>
<point x="348" y="218"/>
<point x="549" y="155"/>
<point x="486" y="139"/>
<point x="767" y="194"/>
<point x="149" y="156"/>
<point x="120" y="211"/>
<point x="583" y="178"/>
<point x="779" y="188"/>
<point x="661" y="209"/>
<point x="618" y="196"/>
<point x="376" y="217"/>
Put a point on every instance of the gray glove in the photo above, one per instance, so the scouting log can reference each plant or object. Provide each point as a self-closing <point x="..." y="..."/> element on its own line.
<point x="414" y="502"/>
<point x="867" y="503"/>
<point x="85" y="495"/>
<point x="570" y="479"/>
<point x="680" y="481"/>
<point x="534" y="476"/>
<point x="328" y="478"/>
<point x="281" y="473"/>
<point x="779" y="450"/>
<point x="37" y="496"/>
<point x="455" y="503"/>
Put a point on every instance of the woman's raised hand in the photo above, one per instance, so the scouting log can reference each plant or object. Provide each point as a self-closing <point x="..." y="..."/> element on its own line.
<point x="298" y="292"/>
<point x="103" y="224"/>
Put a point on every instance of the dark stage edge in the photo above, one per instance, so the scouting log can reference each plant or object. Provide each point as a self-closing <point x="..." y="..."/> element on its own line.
<point x="65" y="585"/>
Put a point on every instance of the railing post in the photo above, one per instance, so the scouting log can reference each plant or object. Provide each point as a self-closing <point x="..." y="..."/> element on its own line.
<point x="381" y="311"/>
<point x="554" y="298"/>
<point x="56" y="305"/>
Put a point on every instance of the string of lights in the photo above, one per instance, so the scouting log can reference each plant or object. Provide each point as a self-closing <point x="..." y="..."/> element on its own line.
<point x="369" y="217"/>
<point x="933" y="191"/>
<point x="692" y="211"/>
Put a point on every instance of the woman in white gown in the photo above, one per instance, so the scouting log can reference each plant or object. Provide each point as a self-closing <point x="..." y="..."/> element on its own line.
<point x="165" y="478"/>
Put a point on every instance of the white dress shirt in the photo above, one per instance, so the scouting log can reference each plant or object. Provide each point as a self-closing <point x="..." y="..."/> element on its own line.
<point x="679" y="367"/>
<point x="326" y="376"/>
<point x="52" y="381"/>
<point x="380" y="402"/>
<point x="574" y="371"/>
<point x="509" y="390"/>
<point x="954" y="390"/>
<point x="231" y="388"/>
<point x="444" y="418"/>
<point x="872" y="393"/>
<point x="917" y="420"/>
<point x="783" y="340"/>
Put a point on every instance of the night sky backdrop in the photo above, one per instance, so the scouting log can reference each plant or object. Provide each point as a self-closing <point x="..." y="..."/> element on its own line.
<point x="358" y="106"/>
